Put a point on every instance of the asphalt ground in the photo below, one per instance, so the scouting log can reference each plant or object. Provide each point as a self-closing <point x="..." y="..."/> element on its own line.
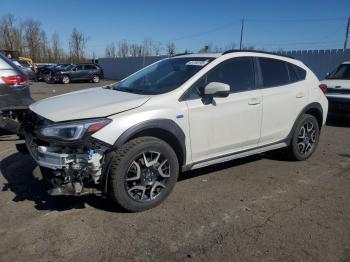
<point x="261" y="208"/>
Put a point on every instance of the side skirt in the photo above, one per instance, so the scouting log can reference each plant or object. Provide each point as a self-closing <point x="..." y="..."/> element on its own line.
<point x="237" y="155"/>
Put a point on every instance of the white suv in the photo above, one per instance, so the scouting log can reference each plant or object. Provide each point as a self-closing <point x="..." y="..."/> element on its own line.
<point x="132" y="139"/>
<point x="337" y="88"/>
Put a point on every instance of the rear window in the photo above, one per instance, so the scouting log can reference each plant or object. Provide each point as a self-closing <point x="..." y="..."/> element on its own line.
<point x="274" y="72"/>
<point x="89" y="67"/>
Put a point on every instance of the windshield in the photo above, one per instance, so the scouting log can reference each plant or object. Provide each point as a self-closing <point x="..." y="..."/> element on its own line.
<point x="163" y="76"/>
<point x="342" y="72"/>
<point x="69" y="67"/>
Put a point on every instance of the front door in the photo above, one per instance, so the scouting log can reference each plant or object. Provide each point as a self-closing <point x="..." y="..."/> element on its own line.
<point x="230" y="124"/>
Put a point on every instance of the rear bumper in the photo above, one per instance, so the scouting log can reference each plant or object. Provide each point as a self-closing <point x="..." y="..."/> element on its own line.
<point x="339" y="106"/>
<point x="14" y="98"/>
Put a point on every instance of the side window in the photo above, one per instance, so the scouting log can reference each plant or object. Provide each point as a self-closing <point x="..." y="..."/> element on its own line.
<point x="292" y="74"/>
<point x="301" y="73"/>
<point x="274" y="72"/>
<point x="89" y="67"/>
<point x="296" y="73"/>
<point x="79" y="68"/>
<point x="238" y="73"/>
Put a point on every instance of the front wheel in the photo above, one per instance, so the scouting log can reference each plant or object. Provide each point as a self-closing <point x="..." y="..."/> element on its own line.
<point x="143" y="172"/>
<point x="305" y="138"/>
<point x="65" y="80"/>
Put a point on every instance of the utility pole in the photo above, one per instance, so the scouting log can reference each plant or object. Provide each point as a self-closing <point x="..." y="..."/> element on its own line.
<point x="346" y="34"/>
<point x="242" y="28"/>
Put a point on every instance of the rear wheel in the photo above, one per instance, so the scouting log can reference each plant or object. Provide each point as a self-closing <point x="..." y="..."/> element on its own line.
<point x="65" y="80"/>
<point x="305" y="138"/>
<point x="95" y="79"/>
<point x="143" y="173"/>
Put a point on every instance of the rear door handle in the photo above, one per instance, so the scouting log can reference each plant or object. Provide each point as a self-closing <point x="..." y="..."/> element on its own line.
<point x="254" y="101"/>
<point x="300" y="95"/>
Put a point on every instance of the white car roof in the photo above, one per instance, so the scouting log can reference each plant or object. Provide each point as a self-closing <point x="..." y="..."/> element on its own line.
<point x="216" y="55"/>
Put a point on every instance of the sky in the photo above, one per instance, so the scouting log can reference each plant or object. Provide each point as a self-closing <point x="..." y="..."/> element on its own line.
<point x="191" y="24"/>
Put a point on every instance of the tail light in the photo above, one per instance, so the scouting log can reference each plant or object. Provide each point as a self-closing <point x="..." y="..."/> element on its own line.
<point x="15" y="80"/>
<point x="323" y="87"/>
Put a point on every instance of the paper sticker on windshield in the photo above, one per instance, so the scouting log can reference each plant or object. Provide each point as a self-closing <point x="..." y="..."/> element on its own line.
<point x="197" y="63"/>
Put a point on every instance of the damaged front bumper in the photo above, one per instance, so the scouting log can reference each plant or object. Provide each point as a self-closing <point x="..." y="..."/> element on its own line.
<point x="70" y="170"/>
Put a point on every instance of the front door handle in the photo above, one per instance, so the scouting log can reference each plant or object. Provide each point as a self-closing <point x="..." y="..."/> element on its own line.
<point x="254" y="101"/>
<point x="300" y="95"/>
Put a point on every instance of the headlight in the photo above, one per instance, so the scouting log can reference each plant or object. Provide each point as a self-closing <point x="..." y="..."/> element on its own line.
<point x="73" y="130"/>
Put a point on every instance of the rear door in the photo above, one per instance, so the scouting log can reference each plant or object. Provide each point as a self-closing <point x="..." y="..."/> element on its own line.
<point x="90" y="70"/>
<point x="284" y="96"/>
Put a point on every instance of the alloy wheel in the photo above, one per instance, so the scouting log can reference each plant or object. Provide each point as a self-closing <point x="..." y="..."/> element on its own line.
<point x="65" y="80"/>
<point x="147" y="176"/>
<point x="307" y="138"/>
<point x="95" y="79"/>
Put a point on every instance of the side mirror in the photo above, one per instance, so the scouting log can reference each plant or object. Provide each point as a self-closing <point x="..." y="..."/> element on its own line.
<point x="216" y="89"/>
<point x="74" y="69"/>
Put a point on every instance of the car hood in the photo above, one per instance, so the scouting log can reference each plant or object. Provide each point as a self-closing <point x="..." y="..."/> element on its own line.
<point x="88" y="103"/>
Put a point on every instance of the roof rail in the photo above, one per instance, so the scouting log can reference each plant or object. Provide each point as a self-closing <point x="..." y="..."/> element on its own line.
<point x="185" y="53"/>
<point x="255" y="51"/>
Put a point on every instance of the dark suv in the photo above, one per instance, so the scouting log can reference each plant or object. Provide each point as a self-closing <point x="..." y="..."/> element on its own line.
<point x="80" y="72"/>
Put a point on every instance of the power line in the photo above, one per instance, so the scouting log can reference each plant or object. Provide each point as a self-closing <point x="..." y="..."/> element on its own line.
<point x="215" y="29"/>
<point x="300" y="20"/>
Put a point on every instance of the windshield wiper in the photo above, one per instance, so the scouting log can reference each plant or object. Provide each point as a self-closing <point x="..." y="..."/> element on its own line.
<point x="131" y="90"/>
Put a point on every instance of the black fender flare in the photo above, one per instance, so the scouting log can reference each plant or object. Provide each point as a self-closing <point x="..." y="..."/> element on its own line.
<point x="314" y="105"/>
<point x="166" y="125"/>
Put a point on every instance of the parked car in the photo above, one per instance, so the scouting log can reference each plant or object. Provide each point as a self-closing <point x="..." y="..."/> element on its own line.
<point x="14" y="95"/>
<point x="337" y="87"/>
<point x="132" y="139"/>
<point x="80" y="72"/>
<point x="44" y="73"/>
<point x="26" y="68"/>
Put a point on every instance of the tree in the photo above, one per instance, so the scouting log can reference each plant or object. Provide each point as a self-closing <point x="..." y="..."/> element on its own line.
<point x="32" y="38"/>
<point x="123" y="49"/>
<point x="110" y="50"/>
<point x="56" y="49"/>
<point x="171" y="49"/>
<point x="157" y="47"/>
<point x="77" y="44"/>
<point x="147" y="47"/>
<point x="10" y="35"/>
<point x="135" y="50"/>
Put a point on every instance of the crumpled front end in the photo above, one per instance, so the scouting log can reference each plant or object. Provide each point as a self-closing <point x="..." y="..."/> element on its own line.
<point x="72" y="167"/>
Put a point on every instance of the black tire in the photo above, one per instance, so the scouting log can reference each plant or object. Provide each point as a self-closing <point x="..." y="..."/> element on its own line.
<point x="296" y="150"/>
<point x="65" y="79"/>
<point x="121" y="162"/>
<point x="95" y="79"/>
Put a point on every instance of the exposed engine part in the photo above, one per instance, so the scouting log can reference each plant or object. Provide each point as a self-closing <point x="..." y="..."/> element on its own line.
<point x="74" y="170"/>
